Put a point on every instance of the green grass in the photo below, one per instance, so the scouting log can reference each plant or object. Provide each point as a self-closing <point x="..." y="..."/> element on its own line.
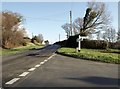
<point x="110" y="56"/>
<point x="5" y="52"/>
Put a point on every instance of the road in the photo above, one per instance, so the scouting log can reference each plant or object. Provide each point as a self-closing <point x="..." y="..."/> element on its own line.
<point x="53" y="70"/>
<point x="14" y="65"/>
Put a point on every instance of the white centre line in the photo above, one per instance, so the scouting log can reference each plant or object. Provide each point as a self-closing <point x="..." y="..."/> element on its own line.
<point x="45" y="60"/>
<point x="37" y="65"/>
<point x="12" y="81"/>
<point x="51" y="56"/>
<point x="24" y="74"/>
<point x="42" y="63"/>
<point x="31" y="69"/>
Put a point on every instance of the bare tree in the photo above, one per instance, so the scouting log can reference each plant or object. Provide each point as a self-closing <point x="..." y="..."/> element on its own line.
<point x="99" y="13"/>
<point x="66" y="27"/>
<point x="37" y="39"/>
<point x="95" y="18"/>
<point x="90" y="36"/>
<point x="78" y="24"/>
<point x="75" y="30"/>
<point x="40" y="36"/>
<point x="118" y="35"/>
<point x="110" y="35"/>
<point x="99" y="35"/>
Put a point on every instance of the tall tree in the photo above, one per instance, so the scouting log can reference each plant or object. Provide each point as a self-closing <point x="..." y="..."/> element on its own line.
<point x="66" y="27"/>
<point x="95" y="18"/>
<point x="78" y="24"/>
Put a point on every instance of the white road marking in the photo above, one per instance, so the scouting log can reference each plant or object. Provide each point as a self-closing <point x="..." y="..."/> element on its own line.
<point x="32" y="69"/>
<point x="41" y="63"/>
<point x="24" y="74"/>
<point x="37" y="65"/>
<point x="51" y="56"/>
<point x="45" y="60"/>
<point x="12" y="81"/>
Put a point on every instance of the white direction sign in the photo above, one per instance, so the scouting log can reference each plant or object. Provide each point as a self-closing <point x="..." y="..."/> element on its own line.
<point x="79" y="41"/>
<point x="81" y="38"/>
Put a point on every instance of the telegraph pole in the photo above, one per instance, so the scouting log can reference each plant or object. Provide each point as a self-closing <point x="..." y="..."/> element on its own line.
<point x="32" y="35"/>
<point x="59" y="37"/>
<point x="71" y="22"/>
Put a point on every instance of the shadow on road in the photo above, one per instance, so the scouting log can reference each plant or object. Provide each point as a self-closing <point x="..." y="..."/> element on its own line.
<point x="98" y="80"/>
<point x="40" y="48"/>
<point x="36" y="55"/>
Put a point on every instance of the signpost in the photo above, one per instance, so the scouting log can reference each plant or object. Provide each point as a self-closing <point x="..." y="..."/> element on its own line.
<point x="79" y="41"/>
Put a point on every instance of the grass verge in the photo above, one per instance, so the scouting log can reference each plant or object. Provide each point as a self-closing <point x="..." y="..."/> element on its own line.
<point x="109" y="56"/>
<point x="5" y="52"/>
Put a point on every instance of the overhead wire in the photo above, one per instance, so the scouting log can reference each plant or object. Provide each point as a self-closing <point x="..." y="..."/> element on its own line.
<point x="48" y="19"/>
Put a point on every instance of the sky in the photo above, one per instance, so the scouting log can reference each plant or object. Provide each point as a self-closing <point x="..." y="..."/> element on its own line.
<point x="47" y="17"/>
<point x="119" y="14"/>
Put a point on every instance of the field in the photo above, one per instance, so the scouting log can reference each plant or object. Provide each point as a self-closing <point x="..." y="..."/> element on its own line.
<point x="4" y="52"/>
<point x="109" y="56"/>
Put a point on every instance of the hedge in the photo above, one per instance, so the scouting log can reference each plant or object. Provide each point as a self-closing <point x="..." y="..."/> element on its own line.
<point x="91" y="44"/>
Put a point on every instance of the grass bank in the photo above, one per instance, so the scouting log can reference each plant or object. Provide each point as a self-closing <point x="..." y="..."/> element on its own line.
<point x="5" y="52"/>
<point x="109" y="56"/>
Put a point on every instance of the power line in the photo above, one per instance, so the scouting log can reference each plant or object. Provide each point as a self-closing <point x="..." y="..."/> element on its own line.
<point x="49" y="19"/>
<point x="55" y="14"/>
<point x="41" y="18"/>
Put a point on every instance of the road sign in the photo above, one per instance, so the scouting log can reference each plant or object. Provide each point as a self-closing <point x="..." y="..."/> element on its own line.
<point x="79" y="41"/>
<point x="81" y="38"/>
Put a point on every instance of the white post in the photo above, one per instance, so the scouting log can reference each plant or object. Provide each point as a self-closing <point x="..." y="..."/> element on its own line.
<point x="79" y="44"/>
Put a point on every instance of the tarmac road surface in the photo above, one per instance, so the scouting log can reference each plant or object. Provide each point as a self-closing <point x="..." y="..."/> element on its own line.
<point x="53" y="70"/>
